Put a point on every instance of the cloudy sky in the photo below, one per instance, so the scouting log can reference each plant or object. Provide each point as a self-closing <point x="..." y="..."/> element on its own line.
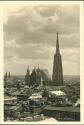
<point x="30" y="37"/>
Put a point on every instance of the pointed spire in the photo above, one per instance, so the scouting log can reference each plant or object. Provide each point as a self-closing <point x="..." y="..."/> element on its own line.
<point x="57" y="76"/>
<point x="38" y="66"/>
<point x="6" y="74"/>
<point x="38" y="69"/>
<point x="9" y="75"/>
<point x="28" y="70"/>
<point x="57" y="44"/>
<point x="34" y="69"/>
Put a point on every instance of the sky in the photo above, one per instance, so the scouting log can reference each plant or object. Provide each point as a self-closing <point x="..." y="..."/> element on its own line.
<point x="30" y="37"/>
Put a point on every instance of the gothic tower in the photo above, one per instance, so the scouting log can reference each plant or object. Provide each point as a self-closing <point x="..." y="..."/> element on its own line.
<point x="38" y="77"/>
<point x="33" y="77"/>
<point x="57" y="76"/>
<point x="27" y="77"/>
<point x="9" y="75"/>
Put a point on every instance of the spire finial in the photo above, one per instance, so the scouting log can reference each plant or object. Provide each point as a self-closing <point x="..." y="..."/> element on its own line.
<point x="57" y="35"/>
<point x="38" y="66"/>
<point x="57" y="44"/>
<point x="9" y="74"/>
<point x="28" y="70"/>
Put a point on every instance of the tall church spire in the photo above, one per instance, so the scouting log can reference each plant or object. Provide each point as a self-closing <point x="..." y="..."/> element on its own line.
<point x="57" y="44"/>
<point x="57" y="76"/>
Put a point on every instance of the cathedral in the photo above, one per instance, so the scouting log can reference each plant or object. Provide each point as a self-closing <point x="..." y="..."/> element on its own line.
<point x="57" y="76"/>
<point x="37" y="74"/>
<point x="33" y="78"/>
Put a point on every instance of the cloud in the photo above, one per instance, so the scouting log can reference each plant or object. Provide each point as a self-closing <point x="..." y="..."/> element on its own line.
<point x="30" y="34"/>
<point x="26" y="27"/>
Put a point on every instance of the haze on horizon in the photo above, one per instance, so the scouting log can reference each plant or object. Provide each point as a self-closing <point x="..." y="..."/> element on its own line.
<point x="30" y="37"/>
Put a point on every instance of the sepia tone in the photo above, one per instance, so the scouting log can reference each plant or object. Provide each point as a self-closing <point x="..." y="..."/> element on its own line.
<point x="42" y="76"/>
<point x="57" y="66"/>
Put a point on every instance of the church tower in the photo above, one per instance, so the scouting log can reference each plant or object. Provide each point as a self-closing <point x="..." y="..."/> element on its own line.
<point x="33" y="77"/>
<point x="9" y="75"/>
<point x="38" y="77"/>
<point x="27" y="77"/>
<point x="57" y="76"/>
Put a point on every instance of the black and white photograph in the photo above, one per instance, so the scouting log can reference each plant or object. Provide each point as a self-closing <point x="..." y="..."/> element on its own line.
<point x="41" y="79"/>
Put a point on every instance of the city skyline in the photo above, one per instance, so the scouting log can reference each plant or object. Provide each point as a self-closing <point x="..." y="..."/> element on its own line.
<point x="30" y="37"/>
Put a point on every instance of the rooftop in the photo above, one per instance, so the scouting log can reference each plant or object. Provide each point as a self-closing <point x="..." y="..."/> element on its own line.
<point x="58" y="92"/>
<point x="63" y="109"/>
